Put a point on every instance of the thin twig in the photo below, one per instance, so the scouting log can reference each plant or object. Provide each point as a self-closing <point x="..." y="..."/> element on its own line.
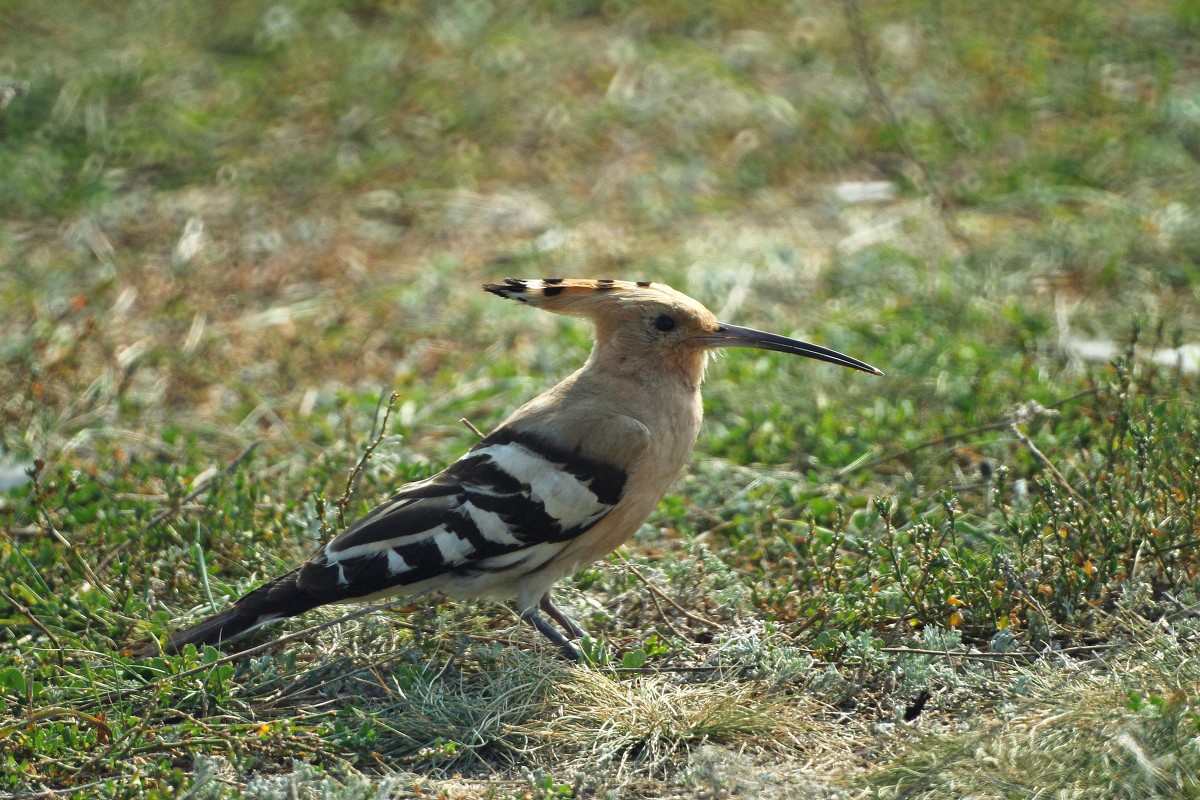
<point x="948" y="654"/>
<point x="916" y="448"/>
<point x="659" y="592"/>
<point x="40" y="793"/>
<point x="666" y="620"/>
<point x="953" y="437"/>
<point x="28" y="614"/>
<point x="657" y="670"/>
<point x="1012" y="580"/>
<point x="74" y="551"/>
<point x="59" y="713"/>
<point x="471" y="425"/>
<point x="125" y="741"/>
<point x="46" y="524"/>
<point x="375" y="417"/>
<point x="1046" y="462"/>
<point x="1017" y="655"/>
<point x="344" y="500"/>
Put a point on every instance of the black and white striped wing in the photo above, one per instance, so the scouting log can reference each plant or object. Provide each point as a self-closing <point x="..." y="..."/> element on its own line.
<point x="513" y="492"/>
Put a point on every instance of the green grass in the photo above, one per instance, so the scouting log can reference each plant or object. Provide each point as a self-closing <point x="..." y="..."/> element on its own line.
<point x="243" y="227"/>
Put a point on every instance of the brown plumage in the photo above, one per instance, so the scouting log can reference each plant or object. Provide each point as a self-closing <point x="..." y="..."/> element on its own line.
<point x="563" y="481"/>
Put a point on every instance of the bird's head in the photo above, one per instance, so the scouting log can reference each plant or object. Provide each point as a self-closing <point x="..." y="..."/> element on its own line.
<point x="643" y="323"/>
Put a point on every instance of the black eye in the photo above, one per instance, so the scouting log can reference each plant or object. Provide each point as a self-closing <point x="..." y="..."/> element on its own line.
<point x="664" y="323"/>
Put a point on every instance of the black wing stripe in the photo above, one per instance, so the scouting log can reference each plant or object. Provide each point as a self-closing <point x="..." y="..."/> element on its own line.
<point x="512" y="492"/>
<point x="397" y="517"/>
<point x="461" y="525"/>
<point x="481" y="474"/>
<point x="606" y="481"/>
<point x="424" y="560"/>
<point x="525" y="517"/>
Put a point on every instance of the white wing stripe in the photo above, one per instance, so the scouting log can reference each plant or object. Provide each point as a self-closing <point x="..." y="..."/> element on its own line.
<point x="396" y="562"/>
<point x="512" y="498"/>
<point x="490" y="525"/>
<point x="378" y="548"/>
<point x="534" y="554"/>
<point x="563" y="495"/>
<point x="452" y="548"/>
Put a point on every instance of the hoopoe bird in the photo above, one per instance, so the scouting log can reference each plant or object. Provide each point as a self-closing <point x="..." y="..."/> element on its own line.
<point x="562" y="482"/>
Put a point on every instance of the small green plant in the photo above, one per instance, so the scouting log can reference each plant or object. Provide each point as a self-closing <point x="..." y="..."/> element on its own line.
<point x="546" y="787"/>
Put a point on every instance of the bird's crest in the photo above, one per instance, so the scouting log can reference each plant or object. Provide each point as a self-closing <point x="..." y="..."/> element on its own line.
<point x="585" y="296"/>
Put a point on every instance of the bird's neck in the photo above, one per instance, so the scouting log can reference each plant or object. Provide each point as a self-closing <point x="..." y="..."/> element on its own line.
<point x="665" y="397"/>
<point x="680" y="374"/>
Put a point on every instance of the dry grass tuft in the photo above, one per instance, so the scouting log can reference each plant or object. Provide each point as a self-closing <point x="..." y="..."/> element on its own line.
<point x="1126" y="727"/>
<point x="638" y="727"/>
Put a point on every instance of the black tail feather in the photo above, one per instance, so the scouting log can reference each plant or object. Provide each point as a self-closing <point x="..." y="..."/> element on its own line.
<point x="215" y="630"/>
<point x="278" y="599"/>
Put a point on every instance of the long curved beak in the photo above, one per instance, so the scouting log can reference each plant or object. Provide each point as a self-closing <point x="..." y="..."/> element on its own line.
<point x="735" y="336"/>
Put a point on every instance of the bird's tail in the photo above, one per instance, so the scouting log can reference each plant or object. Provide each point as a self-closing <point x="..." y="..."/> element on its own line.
<point x="279" y="599"/>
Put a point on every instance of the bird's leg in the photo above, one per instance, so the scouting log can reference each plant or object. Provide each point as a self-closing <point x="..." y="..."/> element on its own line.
<point x="535" y="618"/>
<point x="569" y="625"/>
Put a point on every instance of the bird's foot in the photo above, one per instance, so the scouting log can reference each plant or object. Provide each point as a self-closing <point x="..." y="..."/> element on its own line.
<point x="558" y="615"/>
<point x="569" y="649"/>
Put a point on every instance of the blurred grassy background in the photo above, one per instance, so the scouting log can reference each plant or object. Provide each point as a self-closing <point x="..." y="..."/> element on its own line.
<point x="247" y="221"/>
